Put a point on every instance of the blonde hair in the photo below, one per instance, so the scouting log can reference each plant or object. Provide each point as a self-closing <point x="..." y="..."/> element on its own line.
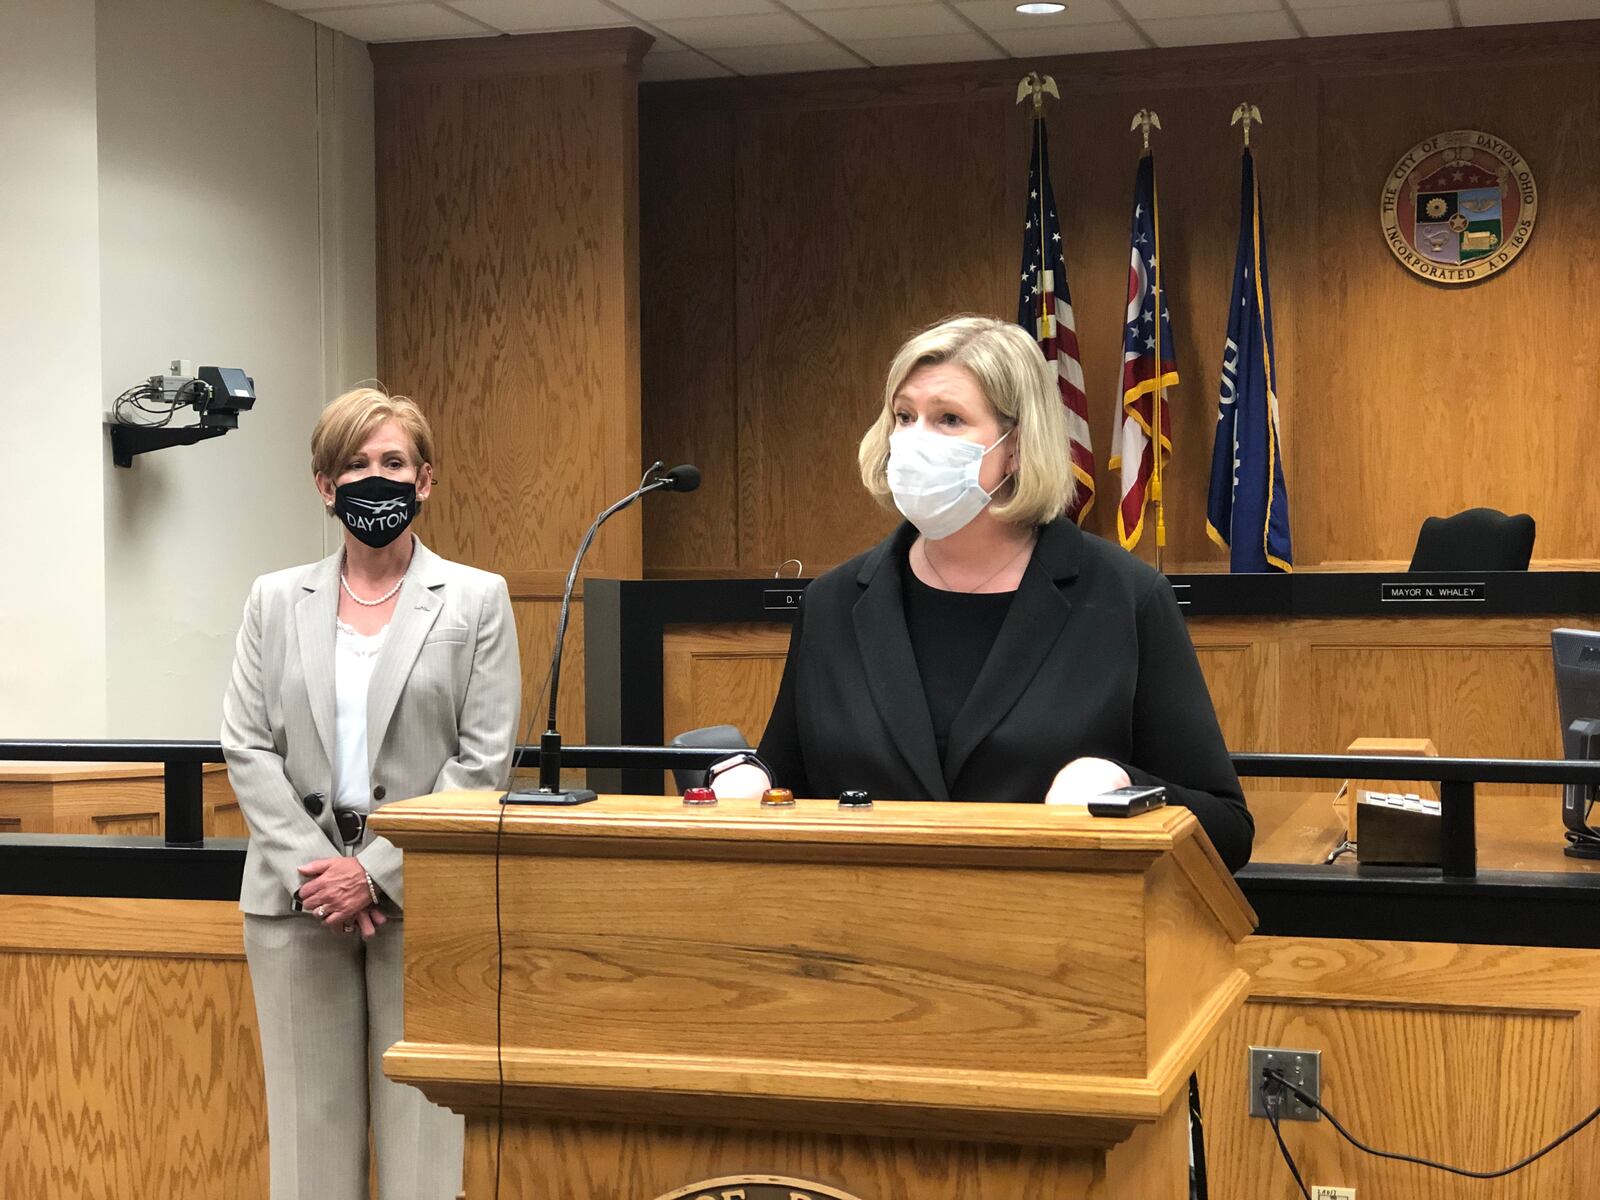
<point x="1021" y="390"/>
<point x="348" y="420"/>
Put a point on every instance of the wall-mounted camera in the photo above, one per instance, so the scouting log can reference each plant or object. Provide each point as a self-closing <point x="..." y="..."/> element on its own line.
<point x="141" y="418"/>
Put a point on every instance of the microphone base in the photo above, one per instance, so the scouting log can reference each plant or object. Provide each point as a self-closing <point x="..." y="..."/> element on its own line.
<point x="567" y="797"/>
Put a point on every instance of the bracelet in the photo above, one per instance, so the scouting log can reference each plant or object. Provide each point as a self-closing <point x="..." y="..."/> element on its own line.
<point x="372" y="888"/>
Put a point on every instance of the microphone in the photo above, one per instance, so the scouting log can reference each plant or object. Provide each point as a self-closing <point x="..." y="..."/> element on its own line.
<point x="683" y="478"/>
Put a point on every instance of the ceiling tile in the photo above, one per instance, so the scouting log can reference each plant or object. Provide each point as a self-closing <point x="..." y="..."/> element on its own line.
<point x="536" y="16"/>
<point x="397" y="22"/>
<point x="315" y="5"/>
<point x="1215" y="30"/>
<point x="889" y="20"/>
<point x="781" y="60"/>
<point x="811" y="6"/>
<point x="1392" y="17"/>
<point x="941" y="48"/>
<point x="1194" y="10"/>
<point x="1510" y="12"/>
<point x="678" y="64"/>
<point x="1002" y="14"/>
<point x="759" y="29"/>
<point x="668" y="10"/>
<point x="1070" y="39"/>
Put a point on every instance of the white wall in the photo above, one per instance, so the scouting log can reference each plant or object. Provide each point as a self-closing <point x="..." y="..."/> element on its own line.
<point x="236" y="219"/>
<point x="178" y="179"/>
<point x="52" y="628"/>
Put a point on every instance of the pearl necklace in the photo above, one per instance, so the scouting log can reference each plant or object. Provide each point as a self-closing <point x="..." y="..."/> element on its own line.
<point x="383" y="599"/>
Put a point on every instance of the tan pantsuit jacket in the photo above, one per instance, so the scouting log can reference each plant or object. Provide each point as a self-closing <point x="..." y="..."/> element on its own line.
<point x="441" y="711"/>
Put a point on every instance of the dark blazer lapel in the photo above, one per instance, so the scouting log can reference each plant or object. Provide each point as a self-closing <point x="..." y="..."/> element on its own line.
<point x="1035" y="620"/>
<point x="315" y="617"/>
<point x="890" y="665"/>
<point x="415" y="610"/>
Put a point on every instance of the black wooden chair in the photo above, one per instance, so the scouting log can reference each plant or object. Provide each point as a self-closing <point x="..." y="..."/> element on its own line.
<point x="1478" y="539"/>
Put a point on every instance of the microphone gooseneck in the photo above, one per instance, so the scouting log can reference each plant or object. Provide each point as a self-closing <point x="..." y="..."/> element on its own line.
<point x="684" y="478"/>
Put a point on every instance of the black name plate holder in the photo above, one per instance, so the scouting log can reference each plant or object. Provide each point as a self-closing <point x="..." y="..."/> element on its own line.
<point x="1445" y="592"/>
<point x="782" y="599"/>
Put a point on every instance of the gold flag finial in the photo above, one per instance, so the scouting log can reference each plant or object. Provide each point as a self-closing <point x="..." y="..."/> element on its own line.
<point x="1249" y="114"/>
<point x="1038" y="86"/>
<point x="1145" y="120"/>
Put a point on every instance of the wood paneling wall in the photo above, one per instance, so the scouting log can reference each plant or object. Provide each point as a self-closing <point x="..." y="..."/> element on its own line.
<point x="1307" y="685"/>
<point x="1469" y="1055"/>
<point x="507" y="301"/>
<point x="795" y="229"/>
<point x="129" y="1063"/>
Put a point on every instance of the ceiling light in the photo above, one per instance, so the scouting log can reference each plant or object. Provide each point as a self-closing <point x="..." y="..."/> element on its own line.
<point x="1041" y="10"/>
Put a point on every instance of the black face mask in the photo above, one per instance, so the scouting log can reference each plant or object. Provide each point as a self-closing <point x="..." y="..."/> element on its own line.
<point x="376" y="510"/>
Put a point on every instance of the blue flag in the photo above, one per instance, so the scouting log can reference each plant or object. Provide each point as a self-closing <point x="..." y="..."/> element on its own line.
<point x="1248" y="508"/>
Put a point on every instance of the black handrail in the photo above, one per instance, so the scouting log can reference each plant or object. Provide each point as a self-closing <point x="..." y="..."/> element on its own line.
<point x="1457" y="777"/>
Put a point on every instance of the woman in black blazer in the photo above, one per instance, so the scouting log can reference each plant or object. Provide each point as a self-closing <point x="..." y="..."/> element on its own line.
<point x="993" y="651"/>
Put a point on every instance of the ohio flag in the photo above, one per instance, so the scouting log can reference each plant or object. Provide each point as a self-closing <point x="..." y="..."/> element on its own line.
<point x="1149" y="363"/>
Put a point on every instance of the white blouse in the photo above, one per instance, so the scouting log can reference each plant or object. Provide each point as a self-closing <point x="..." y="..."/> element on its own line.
<point x="355" y="656"/>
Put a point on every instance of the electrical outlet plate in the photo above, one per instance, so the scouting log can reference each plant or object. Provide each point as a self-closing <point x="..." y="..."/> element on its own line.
<point x="1332" y="1193"/>
<point x="1303" y="1068"/>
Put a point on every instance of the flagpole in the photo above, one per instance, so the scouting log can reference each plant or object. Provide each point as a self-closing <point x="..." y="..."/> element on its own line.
<point x="1145" y="121"/>
<point x="1038" y="86"/>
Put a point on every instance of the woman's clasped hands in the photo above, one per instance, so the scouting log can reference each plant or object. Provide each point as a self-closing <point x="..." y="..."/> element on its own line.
<point x="335" y="891"/>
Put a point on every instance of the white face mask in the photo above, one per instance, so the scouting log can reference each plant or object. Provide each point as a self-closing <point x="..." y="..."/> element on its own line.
<point x="934" y="478"/>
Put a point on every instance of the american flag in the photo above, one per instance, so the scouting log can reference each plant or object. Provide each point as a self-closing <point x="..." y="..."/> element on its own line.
<point x="1144" y="371"/>
<point x="1044" y="309"/>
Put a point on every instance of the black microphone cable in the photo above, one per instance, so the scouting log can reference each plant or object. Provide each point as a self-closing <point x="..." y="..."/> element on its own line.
<point x="683" y="479"/>
<point x="500" y="963"/>
<point x="1272" y="1100"/>
<point x="1273" y="1085"/>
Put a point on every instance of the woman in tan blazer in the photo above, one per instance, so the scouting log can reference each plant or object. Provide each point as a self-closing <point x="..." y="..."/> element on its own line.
<point x="381" y="672"/>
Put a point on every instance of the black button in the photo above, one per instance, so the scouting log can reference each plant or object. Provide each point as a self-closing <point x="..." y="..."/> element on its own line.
<point x="854" y="799"/>
<point x="379" y="792"/>
<point x="313" y="803"/>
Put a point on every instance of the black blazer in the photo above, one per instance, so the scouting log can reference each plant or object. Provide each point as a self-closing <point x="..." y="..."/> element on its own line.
<point x="1093" y="660"/>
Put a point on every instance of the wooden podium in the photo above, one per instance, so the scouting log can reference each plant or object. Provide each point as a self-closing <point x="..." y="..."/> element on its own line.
<point x="909" y="1002"/>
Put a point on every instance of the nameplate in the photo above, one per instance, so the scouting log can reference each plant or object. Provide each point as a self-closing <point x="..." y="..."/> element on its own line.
<point x="1433" y="593"/>
<point x="1181" y="592"/>
<point x="782" y="599"/>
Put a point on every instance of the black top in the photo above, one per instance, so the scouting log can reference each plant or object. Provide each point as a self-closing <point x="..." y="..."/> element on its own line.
<point x="1092" y="659"/>
<point x="951" y="636"/>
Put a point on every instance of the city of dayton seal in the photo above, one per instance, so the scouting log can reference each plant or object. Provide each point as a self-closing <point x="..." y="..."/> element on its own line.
<point x="1459" y="206"/>
<point x="756" y="1187"/>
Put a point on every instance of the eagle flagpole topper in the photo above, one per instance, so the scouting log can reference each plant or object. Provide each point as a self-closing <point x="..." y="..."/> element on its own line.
<point x="1144" y="121"/>
<point x="1248" y="113"/>
<point x="1044" y="299"/>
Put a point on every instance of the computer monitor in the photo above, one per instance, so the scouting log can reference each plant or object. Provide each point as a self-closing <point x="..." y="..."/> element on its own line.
<point x="1577" y="664"/>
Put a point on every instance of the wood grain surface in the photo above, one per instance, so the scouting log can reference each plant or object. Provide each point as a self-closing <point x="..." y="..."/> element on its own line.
<point x="128" y="1057"/>
<point x="1471" y="1055"/>
<point x="914" y="968"/>
<point x="844" y="209"/>
<point x="578" y="1162"/>
<point x="114" y="798"/>
<point x="1478" y="687"/>
<point x="508" y="297"/>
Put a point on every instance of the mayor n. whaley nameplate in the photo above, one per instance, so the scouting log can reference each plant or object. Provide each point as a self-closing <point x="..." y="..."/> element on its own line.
<point x="1459" y="206"/>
